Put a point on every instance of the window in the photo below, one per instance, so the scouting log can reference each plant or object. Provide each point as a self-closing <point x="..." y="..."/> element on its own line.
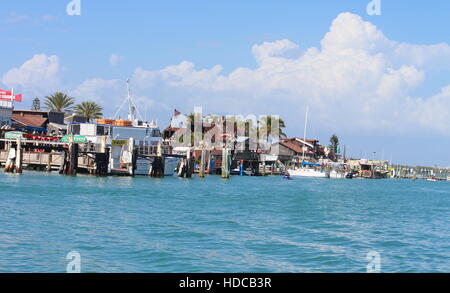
<point x="156" y="133"/>
<point x="76" y="129"/>
<point x="100" y="130"/>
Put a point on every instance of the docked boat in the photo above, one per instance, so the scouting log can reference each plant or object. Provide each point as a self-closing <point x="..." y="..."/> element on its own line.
<point x="334" y="174"/>
<point x="338" y="171"/>
<point x="245" y="172"/>
<point x="308" y="169"/>
<point x="123" y="137"/>
<point x="308" y="172"/>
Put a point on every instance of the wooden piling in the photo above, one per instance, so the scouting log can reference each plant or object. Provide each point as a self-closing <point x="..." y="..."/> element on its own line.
<point x="8" y="163"/>
<point x="157" y="168"/>
<point x="181" y="168"/>
<point x="202" y="164"/>
<point x="19" y="156"/>
<point x="131" y="166"/>
<point x="63" y="163"/>
<point x="225" y="163"/>
<point x="49" y="162"/>
<point x="101" y="164"/>
<point x="189" y="165"/>
<point x="73" y="159"/>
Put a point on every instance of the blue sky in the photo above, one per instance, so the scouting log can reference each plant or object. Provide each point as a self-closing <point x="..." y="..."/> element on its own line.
<point x="155" y="35"/>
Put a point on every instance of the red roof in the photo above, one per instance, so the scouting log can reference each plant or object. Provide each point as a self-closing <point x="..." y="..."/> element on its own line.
<point x="292" y="146"/>
<point x="30" y="120"/>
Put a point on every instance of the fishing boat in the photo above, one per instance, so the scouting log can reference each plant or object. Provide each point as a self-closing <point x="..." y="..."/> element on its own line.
<point x="123" y="137"/>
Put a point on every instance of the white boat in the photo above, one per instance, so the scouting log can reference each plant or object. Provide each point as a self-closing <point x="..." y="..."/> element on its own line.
<point x="124" y="139"/>
<point x="304" y="171"/>
<point x="308" y="172"/>
<point x="337" y="175"/>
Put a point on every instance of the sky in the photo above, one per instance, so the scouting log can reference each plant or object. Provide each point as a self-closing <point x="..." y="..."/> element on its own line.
<point x="380" y="82"/>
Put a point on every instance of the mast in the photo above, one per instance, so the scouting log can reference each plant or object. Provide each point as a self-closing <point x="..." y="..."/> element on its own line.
<point x="304" y="134"/>
<point x="131" y="108"/>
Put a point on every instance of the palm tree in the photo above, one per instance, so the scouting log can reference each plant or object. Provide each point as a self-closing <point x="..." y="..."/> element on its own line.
<point x="59" y="102"/>
<point x="266" y="128"/>
<point x="334" y="143"/>
<point x="90" y="110"/>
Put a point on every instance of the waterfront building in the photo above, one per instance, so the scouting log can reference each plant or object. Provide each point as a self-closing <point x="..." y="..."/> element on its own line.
<point x="30" y="121"/>
<point x="6" y="108"/>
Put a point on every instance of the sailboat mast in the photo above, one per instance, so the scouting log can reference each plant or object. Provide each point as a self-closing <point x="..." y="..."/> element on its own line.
<point x="304" y="133"/>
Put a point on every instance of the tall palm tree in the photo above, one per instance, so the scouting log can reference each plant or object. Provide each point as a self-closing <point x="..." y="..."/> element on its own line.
<point x="266" y="127"/>
<point x="90" y="110"/>
<point x="59" y="102"/>
<point x="334" y="143"/>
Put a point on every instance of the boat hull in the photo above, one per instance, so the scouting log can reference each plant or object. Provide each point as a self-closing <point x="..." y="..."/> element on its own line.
<point x="308" y="173"/>
<point x="337" y="175"/>
<point x="143" y="166"/>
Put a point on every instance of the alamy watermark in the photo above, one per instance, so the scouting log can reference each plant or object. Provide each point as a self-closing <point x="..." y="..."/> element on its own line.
<point x="374" y="8"/>
<point x="74" y="265"/>
<point x="74" y="8"/>
<point x="238" y="132"/>
<point x="374" y="265"/>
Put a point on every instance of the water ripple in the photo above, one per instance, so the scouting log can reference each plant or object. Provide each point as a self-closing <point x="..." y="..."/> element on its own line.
<point x="213" y="225"/>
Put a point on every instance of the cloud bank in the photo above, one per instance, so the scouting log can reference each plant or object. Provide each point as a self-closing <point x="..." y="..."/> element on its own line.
<point x="357" y="80"/>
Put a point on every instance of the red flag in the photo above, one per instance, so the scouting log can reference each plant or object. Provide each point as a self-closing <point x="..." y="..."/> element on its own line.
<point x="18" y="98"/>
<point x="6" y="93"/>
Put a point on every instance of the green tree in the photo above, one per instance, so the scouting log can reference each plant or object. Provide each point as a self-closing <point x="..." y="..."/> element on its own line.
<point x="36" y="106"/>
<point x="334" y="143"/>
<point x="90" y="110"/>
<point x="59" y="102"/>
<point x="266" y="126"/>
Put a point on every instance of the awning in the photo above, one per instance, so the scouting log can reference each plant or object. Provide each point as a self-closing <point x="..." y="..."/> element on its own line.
<point x="32" y="128"/>
<point x="304" y="163"/>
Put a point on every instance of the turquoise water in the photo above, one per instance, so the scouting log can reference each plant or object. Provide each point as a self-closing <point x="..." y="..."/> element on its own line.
<point x="245" y="224"/>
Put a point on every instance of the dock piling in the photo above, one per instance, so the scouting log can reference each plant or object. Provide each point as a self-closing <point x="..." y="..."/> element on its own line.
<point x="226" y="157"/>
<point x="201" y="173"/>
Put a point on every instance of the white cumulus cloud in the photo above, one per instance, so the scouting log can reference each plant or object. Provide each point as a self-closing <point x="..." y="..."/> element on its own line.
<point x="356" y="80"/>
<point x="39" y="75"/>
